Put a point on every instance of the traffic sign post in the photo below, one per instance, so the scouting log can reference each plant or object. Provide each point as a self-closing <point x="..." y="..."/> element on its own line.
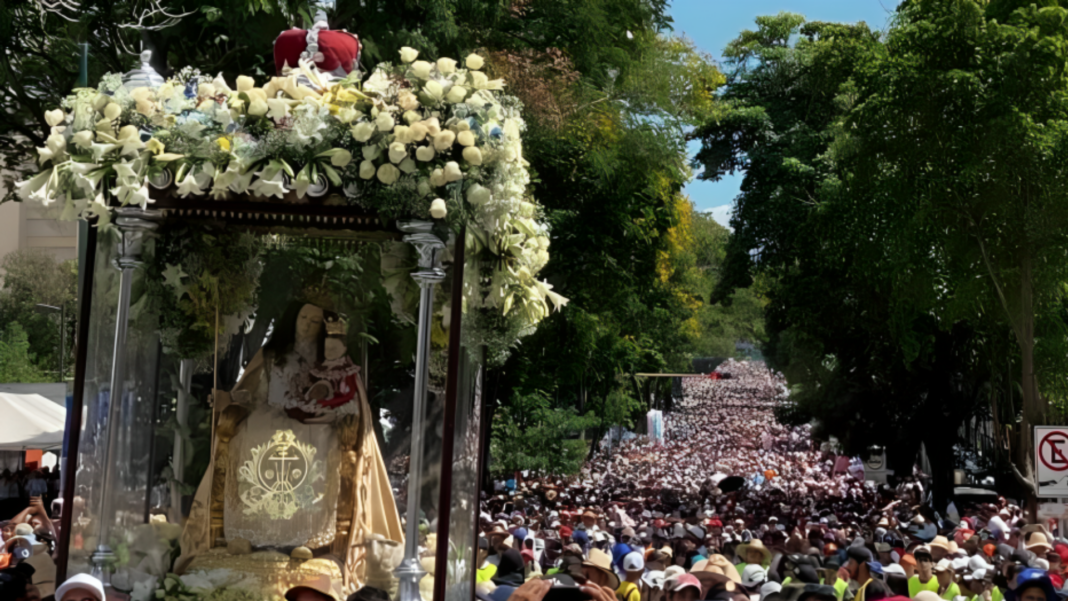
<point x="1051" y="461"/>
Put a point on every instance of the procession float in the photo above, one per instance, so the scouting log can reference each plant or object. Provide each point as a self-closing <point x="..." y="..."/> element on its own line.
<point x="291" y="289"/>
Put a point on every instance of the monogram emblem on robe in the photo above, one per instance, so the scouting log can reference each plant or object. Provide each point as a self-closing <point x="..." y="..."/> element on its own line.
<point x="280" y="478"/>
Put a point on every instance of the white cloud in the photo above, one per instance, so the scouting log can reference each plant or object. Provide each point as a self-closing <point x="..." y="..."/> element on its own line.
<point x="722" y="215"/>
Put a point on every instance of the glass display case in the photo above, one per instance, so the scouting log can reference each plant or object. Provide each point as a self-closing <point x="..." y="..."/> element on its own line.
<point x="297" y="401"/>
<point x="291" y="290"/>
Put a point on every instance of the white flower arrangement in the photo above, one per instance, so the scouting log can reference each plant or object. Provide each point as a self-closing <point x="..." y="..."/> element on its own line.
<point x="420" y="139"/>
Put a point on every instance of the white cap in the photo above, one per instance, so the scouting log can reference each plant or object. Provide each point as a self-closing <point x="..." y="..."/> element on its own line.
<point x="82" y="581"/>
<point x="754" y="574"/>
<point x="633" y="562"/>
<point x="654" y="578"/>
<point x="893" y="568"/>
<point x="769" y="588"/>
<point x="978" y="563"/>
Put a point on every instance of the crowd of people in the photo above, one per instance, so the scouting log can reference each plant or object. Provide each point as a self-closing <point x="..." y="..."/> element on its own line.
<point x="733" y="506"/>
<point x="17" y="487"/>
<point x="728" y="506"/>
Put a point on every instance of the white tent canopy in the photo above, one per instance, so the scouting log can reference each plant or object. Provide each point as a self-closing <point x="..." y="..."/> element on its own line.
<point x="30" y="421"/>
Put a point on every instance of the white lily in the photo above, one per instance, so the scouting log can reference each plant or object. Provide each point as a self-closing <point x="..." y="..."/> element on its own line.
<point x="277" y="108"/>
<point x="25" y="189"/>
<point x="269" y="186"/>
<point x="126" y="173"/>
<point x="189" y="186"/>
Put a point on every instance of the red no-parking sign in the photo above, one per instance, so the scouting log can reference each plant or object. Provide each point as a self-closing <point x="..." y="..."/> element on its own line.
<point x="1051" y="461"/>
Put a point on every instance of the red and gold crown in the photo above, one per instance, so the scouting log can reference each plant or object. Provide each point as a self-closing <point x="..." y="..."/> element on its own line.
<point x="335" y="52"/>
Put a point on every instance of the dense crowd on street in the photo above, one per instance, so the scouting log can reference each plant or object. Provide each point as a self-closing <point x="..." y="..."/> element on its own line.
<point x="733" y="506"/>
<point x="728" y="506"/>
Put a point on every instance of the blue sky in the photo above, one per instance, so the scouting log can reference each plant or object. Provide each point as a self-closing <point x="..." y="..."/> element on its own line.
<point x="711" y="24"/>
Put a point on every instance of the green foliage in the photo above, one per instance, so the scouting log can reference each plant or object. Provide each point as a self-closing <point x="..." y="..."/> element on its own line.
<point x="16" y="360"/>
<point x="957" y="134"/>
<point x="32" y="277"/>
<point x="530" y="434"/>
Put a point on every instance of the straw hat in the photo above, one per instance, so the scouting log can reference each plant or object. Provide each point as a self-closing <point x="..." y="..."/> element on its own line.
<point x="717" y="564"/>
<point x="1038" y="544"/>
<point x="940" y="542"/>
<point x="602" y="561"/>
<point x="754" y="545"/>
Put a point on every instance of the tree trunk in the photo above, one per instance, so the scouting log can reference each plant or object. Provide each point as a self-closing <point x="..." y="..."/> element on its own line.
<point x="1034" y="411"/>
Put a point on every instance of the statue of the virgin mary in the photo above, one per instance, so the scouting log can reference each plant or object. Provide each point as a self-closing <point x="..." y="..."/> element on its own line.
<point x="296" y="468"/>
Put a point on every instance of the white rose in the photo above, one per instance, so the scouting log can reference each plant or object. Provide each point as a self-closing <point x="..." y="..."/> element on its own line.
<point x="460" y="126"/>
<point x="421" y="69"/>
<point x="163" y="92"/>
<point x="433" y="126"/>
<point x="474" y="61"/>
<point x="205" y="89"/>
<point x="425" y="153"/>
<point x="388" y="174"/>
<point x="342" y="158"/>
<point x="112" y="111"/>
<point x="456" y="94"/>
<point x="385" y="122"/>
<point x="408" y="166"/>
<point x="371" y="152"/>
<point x="245" y="83"/>
<point x="444" y="140"/>
<point x="397" y="152"/>
<point x="54" y="117"/>
<point x="411" y="117"/>
<point x="446" y="65"/>
<point x="367" y="169"/>
<point x="434" y="89"/>
<point x="347" y="114"/>
<point x="407" y="101"/>
<point x="419" y="132"/>
<point x="466" y="138"/>
<point x="478" y="195"/>
<point x="473" y="155"/>
<point x="408" y="54"/>
<point x="258" y="108"/>
<point x="437" y="209"/>
<point x="363" y="131"/>
<point x="437" y="178"/>
<point x="452" y="172"/>
<point x="83" y="139"/>
<point x="403" y="134"/>
<point x="479" y="80"/>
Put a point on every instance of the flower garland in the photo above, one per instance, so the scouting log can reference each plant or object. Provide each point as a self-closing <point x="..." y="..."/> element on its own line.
<point x="419" y="139"/>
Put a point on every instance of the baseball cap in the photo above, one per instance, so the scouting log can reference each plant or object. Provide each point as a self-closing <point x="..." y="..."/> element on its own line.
<point x="893" y="569"/>
<point x="654" y="578"/>
<point x="686" y="581"/>
<point x="753" y="574"/>
<point x="633" y="562"/>
<point x="82" y="581"/>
